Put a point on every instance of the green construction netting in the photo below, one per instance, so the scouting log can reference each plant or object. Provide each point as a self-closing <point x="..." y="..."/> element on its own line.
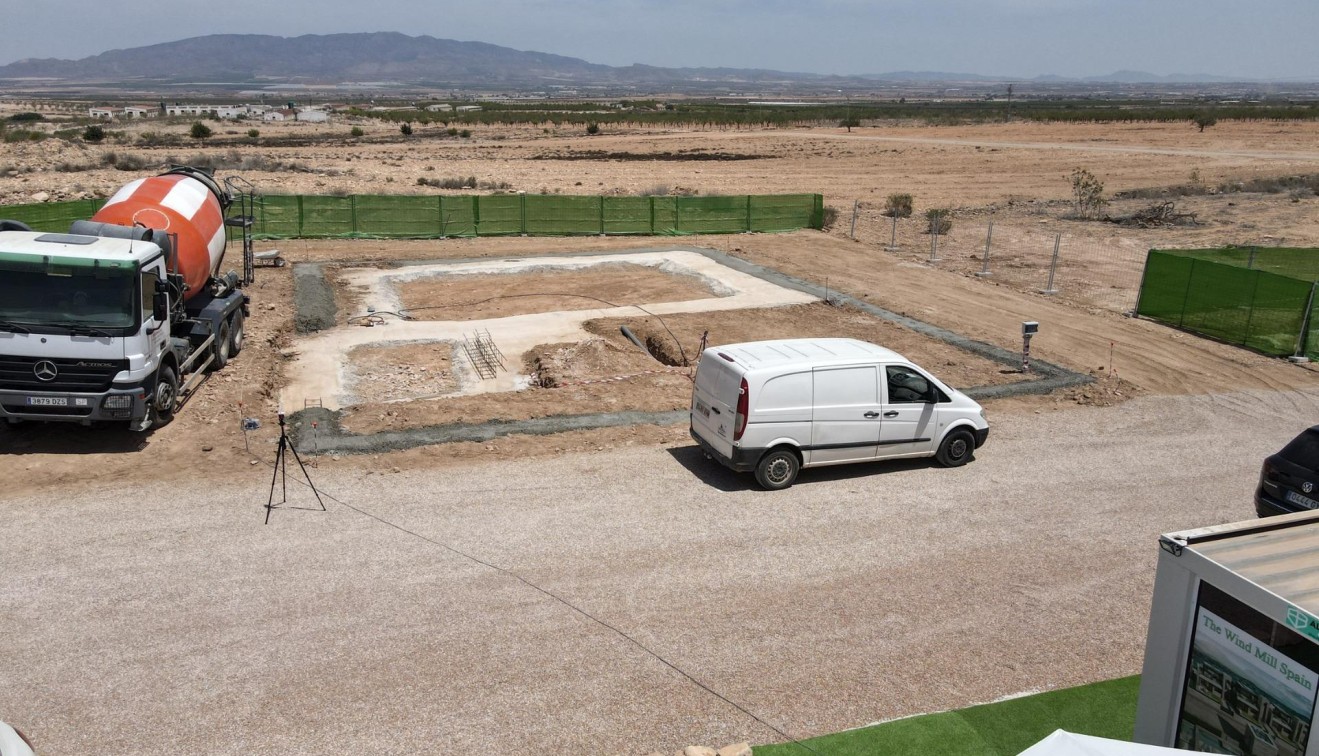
<point x="52" y="216"/>
<point x="1226" y="300"/>
<point x="404" y="216"/>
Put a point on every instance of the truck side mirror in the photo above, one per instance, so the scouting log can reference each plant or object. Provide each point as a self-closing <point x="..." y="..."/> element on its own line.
<point x="160" y="306"/>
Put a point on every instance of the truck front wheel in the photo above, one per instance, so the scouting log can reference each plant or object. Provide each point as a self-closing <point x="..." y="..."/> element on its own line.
<point x="165" y="395"/>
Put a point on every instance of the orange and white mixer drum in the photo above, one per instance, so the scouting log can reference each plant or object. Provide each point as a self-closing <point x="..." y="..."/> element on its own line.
<point x="182" y="207"/>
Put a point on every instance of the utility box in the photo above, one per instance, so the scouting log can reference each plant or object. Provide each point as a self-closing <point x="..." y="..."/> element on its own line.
<point x="1232" y="657"/>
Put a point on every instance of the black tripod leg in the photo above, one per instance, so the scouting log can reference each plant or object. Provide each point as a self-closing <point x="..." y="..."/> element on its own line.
<point x="279" y="459"/>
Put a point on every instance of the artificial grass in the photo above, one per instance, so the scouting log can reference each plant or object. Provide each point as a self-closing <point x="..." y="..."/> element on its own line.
<point x="1105" y="709"/>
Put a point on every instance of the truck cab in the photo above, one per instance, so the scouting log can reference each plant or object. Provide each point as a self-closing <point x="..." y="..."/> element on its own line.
<point x="79" y="338"/>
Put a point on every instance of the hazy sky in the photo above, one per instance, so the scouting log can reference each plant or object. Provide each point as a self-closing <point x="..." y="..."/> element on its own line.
<point x="1262" y="39"/>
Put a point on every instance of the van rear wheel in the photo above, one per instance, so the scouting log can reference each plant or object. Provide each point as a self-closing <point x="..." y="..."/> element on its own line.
<point x="956" y="448"/>
<point x="777" y="470"/>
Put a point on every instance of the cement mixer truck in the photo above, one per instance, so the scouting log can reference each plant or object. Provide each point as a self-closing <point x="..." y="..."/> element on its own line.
<point x="119" y="318"/>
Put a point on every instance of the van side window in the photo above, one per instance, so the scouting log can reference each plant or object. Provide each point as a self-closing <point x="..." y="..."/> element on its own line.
<point x="905" y="386"/>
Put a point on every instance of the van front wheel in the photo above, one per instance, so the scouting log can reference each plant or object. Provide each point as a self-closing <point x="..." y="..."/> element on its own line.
<point x="956" y="448"/>
<point x="777" y="469"/>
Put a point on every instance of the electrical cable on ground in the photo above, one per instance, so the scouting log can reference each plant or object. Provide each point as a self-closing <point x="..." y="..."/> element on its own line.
<point x="566" y="603"/>
<point x="406" y="314"/>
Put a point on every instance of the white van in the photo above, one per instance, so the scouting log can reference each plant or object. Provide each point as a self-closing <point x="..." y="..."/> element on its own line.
<point x="778" y="406"/>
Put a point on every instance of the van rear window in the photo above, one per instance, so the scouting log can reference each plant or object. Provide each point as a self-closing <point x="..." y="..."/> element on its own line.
<point x="713" y="376"/>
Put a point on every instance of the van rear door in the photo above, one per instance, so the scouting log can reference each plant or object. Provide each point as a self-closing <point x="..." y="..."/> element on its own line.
<point x="714" y="400"/>
<point x="845" y="424"/>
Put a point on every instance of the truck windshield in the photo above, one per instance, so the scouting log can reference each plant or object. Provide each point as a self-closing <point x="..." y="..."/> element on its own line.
<point x="67" y="298"/>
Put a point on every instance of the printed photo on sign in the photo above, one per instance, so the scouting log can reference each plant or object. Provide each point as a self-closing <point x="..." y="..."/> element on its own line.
<point x="1250" y="683"/>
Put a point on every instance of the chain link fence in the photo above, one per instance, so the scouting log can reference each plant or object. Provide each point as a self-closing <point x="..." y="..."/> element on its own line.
<point x="1102" y="274"/>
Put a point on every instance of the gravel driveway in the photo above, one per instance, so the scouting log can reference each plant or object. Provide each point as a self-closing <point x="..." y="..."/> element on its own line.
<point x="153" y="619"/>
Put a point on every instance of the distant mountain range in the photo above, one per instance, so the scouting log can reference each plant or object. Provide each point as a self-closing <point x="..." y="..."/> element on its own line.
<point x="393" y="58"/>
<point x="1117" y="77"/>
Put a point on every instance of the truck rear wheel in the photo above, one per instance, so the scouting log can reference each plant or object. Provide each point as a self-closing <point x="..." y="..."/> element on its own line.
<point x="222" y="347"/>
<point x="164" y="396"/>
<point x="237" y="330"/>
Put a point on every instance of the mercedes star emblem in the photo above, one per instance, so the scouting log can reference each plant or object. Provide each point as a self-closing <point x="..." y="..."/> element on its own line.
<point x="45" y="370"/>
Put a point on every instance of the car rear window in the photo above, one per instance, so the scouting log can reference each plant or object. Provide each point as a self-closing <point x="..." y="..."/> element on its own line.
<point x="1303" y="450"/>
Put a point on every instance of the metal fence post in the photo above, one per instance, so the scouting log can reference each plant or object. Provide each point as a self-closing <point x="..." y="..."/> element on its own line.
<point x="984" y="269"/>
<point x="1140" y="288"/>
<point x="1302" y="338"/>
<point x="523" y="209"/>
<point x="1186" y="296"/>
<point x="1250" y="314"/>
<point x="748" y="228"/>
<point x="893" y="240"/>
<point x="602" y="215"/>
<point x="856" y="204"/>
<point x="934" y="244"/>
<point x="1053" y="266"/>
<point x="1250" y="263"/>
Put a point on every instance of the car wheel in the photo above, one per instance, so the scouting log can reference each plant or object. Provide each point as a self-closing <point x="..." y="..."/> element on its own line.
<point x="222" y="347"/>
<point x="164" y="397"/>
<point x="777" y="469"/>
<point x="956" y="448"/>
<point x="237" y="330"/>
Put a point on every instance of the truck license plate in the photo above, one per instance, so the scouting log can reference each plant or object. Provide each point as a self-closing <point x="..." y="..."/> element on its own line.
<point x="48" y="401"/>
<point x="1304" y="501"/>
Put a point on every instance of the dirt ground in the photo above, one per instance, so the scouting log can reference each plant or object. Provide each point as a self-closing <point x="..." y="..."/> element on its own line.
<point x="478" y="297"/>
<point x="1013" y="173"/>
<point x="610" y="374"/>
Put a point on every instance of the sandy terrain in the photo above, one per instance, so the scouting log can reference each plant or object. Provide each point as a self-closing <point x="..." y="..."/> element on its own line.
<point x="148" y="618"/>
<point x="1017" y="186"/>
<point x="806" y="645"/>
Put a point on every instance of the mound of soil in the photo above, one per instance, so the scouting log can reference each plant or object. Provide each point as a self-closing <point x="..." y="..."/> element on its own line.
<point x="555" y="365"/>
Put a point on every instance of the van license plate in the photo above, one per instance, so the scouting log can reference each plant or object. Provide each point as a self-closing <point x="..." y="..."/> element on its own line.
<point x="1304" y="501"/>
<point x="48" y="401"/>
<point x="703" y="408"/>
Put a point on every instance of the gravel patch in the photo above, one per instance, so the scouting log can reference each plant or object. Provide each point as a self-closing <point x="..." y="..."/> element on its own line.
<point x="151" y="619"/>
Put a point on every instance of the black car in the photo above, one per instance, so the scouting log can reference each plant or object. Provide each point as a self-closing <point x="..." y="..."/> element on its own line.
<point x="1289" y="481"/>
